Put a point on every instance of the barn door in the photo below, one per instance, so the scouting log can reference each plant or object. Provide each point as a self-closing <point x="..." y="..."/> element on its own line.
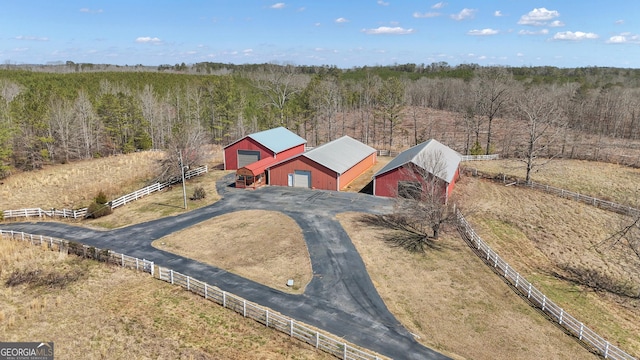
<point x="246" y="157"/>
<point x="302" y="178"/>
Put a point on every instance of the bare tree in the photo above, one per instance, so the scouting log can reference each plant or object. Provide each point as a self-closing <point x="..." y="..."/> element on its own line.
<point x="493" y="84"/>
<point x="538" y="112"/>
<point x="279" y="84"/>
<point x="421" y="207"/>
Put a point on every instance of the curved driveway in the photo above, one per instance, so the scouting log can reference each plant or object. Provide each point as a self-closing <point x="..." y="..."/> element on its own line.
<point x="340" y="298"/>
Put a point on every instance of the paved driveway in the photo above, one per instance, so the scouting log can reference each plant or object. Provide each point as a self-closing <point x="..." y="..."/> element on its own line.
<point x="340" y="298"/>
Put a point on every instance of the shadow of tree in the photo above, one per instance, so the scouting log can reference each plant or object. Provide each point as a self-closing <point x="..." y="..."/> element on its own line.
<point x="401" y="233"/>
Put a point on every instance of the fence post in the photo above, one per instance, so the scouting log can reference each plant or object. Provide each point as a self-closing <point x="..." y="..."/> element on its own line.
<point x="244" y="308"/>
<point x="171" y="276"/>
<point x="136" y="263"/>
<point x="152" y="269"/>
<point x="517" y="279"/>
<point x="266" y="317"/>
<point x="188" y="284"/>
<point x="561" y="314"/>
<point x="122" y="260"/>
<point x="224" y="299"/>
<point x="206" y="295"/>
<point x="529" y="291"/>
<point x="317" y="339"/>
<point x="291" y="327"/>
<point x="544" y="301"/>
<point x="344" y="351"/>
<point x="581" y="330"/>
<point x="606" y="350"/>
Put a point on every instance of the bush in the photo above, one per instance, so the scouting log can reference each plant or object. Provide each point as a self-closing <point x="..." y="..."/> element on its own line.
<point x="101" y="198"/>
<point x="199" y="193"/>
<point x="97" y="210"/>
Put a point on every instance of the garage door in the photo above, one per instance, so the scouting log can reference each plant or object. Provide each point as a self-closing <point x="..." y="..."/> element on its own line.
<point x="246" y="157"/>
<point x="302" y="178"/>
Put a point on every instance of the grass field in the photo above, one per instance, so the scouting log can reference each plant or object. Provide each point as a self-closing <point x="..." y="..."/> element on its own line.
<point x="447" y="297"/>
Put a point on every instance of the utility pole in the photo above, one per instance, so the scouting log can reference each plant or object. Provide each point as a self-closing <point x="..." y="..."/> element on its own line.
<point x="184" y="186"/>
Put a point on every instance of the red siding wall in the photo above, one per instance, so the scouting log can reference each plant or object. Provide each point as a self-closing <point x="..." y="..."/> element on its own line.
<point x="348" y="176"/>
<point x="290" y="152"/>
<point x="321" y="177"/>
<point x="387" y="184"/>
<point x="231" y="152"/>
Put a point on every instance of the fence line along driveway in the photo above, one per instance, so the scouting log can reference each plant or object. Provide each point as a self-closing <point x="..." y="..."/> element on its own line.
<point x="123" y="200"/>
<point x="340" y="299"/>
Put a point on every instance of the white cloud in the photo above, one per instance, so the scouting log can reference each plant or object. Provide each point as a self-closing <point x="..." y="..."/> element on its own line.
<point x="278" y="6"/>
<point x="90" y="11"/>
<point x="419" y="15"/>
<point x="31" y="38"/>
<point x="439" y="5"/>
<point x="148" y="40"/>
<point x="464" y="14"/>
<point x="483" y="32"/>
<point x="574" y="36"/>
<point x="556" y="23"/>
<point x="247" y="51"/>
<point x="619" y="22"/>
<point x="341" y="20"/>
<point x="382" y="3"/>
<point x="624" y="38"/>
<point x="497" y="13"/>
<point x="388" y="30"/>
<point x="529" y="32"/>
<point x="538" y="17"/>
<point x="519" y="54"/>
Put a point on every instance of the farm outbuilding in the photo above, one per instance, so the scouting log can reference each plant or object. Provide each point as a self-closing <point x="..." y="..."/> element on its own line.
<point x="277" y="144"/>
<point x="331" y="166"/>
<point x="409" y="173"/>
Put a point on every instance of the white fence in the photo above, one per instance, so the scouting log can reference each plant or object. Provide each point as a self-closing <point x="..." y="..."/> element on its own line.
<point x="123" y="200"/>
<point x="86" y="251"/>
<point x="590" y="200"/>
<point x="325" y="342"/>
<point x="480" y="157"/>
<point x="322" y="341"/>
<point x="537" y="298"/>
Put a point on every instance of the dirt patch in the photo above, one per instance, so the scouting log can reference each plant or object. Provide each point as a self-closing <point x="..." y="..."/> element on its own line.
<point x="265" y="246"/>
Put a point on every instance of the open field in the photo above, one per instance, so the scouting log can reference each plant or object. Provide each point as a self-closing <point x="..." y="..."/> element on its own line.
<point x="236" y="242"/>
<point x="463" y="309"/>
<point x="106" y="312"/>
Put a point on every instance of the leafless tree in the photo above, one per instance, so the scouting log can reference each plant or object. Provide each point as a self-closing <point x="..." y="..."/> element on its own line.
<point x="279" y="84"/>
<point x="493" y="84"/>
<point x="543" y="122"/>
<point x="421" y="207"/>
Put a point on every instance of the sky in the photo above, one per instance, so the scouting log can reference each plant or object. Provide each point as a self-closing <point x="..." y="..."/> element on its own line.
<point x="346" y="33"/>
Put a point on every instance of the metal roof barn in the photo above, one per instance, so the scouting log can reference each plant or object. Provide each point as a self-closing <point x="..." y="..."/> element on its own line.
<point x="331" y="166"/>
<point x="278" y="144"/>
<point x="426" y="156"/>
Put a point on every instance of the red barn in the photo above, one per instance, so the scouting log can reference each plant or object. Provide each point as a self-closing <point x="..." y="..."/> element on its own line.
<point x="277" y="144"/>
<point x="409" y="173"/>
<point x="331" y="166"/>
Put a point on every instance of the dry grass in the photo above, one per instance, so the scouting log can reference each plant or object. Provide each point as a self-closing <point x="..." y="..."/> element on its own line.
<point x="75" y="184"/>
<point x="602" y="180"/>
<point x="455" y="303"/>
<point x="542" y="236"/>
<point x="116" y="314"/>
<point x="264" y="246"/>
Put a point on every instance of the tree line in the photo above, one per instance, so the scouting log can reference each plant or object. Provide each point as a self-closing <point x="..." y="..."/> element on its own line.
<point x="56" y="114"/>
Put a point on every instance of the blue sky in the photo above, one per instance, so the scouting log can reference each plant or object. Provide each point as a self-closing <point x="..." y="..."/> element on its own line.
<point x="322" y="32"/>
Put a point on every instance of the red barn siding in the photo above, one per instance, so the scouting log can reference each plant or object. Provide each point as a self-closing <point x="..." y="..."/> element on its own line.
<point x="321" y="177"/>
<point x="348" y="176"/>
<point x="387" y="184"/>
<point x="231" y="152"/>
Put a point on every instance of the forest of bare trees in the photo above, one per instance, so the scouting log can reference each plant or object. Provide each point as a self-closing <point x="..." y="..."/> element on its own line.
<point x="76" y="111"/>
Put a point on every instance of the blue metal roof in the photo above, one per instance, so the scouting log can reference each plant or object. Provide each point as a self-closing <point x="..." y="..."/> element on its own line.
<point x="341" y="154"/>
<point x="278" y="139"/>
<point x="421" y="153"/>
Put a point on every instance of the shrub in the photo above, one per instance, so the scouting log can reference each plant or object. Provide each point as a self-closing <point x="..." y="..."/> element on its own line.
<point x="101" y="198"/>
<point x="199" y="193"/>
<point x="97" y="210"/>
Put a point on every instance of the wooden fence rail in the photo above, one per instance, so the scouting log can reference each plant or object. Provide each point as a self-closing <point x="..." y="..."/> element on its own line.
<point x="480" y="157"/>
<point x="86" y="251"/>
<point x="123" y="200"/>
<point x="268" y="317"/>
<point x="536" y="297"/>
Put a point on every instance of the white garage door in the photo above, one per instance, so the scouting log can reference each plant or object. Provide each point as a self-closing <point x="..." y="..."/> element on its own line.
<point x="302" y="178"/>
<point x="246" y="157"/>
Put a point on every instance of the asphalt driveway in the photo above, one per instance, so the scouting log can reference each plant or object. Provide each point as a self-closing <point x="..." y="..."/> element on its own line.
<point x="340" y="298"/>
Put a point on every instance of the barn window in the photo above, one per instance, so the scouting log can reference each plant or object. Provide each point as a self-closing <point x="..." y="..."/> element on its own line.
<point x="409" y="189"/>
